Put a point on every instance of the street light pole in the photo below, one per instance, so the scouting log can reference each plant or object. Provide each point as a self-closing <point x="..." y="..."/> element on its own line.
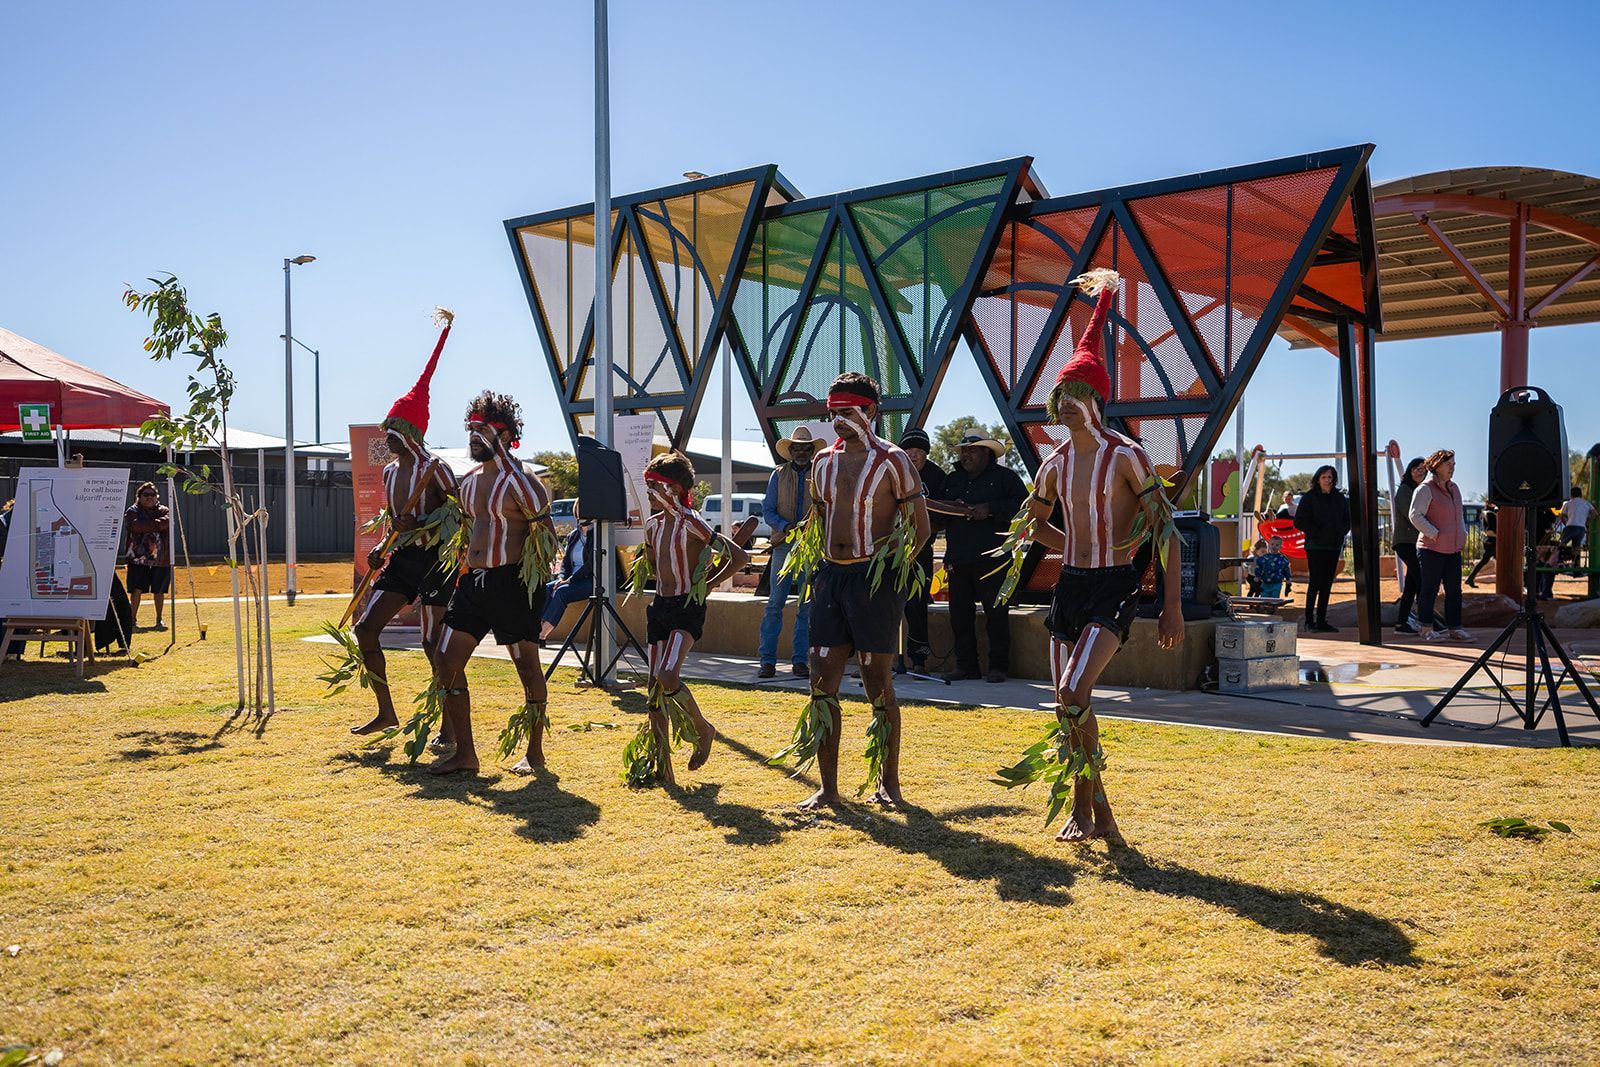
<point x="289" y="554"/>
<point x="605" y="540"/>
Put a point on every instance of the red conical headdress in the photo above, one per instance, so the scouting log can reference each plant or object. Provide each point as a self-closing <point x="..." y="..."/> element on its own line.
<point x="409" y="415"/>
<point x="1087" y="364"/>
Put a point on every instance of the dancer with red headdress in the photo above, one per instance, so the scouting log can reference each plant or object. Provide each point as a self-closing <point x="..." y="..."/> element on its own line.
<point x="415" y="483"/>
<point x="1114" y="513"/>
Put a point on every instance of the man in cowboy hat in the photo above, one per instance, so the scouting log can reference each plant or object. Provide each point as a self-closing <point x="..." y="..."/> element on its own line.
<point x="979" y="497"/>
<point x="787" y="501"/>
<point x="916" y="445"/>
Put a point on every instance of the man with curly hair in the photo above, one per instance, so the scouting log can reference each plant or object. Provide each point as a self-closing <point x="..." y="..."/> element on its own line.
<point x="863" y="490"/>
<point x="415" y="483"/>
<point x="688" y="559"/>
<point x="504" y="503"/>
<point x="1102" y="480"/>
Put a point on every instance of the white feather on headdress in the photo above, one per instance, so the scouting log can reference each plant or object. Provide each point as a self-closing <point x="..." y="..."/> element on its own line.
<point x="1093" y="281"/>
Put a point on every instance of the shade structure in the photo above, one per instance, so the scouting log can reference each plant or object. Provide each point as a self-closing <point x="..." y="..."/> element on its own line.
<point x="79" y="398"/>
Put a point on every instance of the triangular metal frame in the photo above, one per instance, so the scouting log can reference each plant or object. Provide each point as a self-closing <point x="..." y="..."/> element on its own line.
<point x="914" y="404"/>
<point x="693" y="376"/>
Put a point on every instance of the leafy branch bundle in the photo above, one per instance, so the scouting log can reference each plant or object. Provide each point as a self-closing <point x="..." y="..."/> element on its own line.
<point x="1059" y="758"/>
<point x="898" y="554"/>
<point x="813" y="727"/>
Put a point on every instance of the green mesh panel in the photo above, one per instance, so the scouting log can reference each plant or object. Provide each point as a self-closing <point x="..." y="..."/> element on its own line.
<point x="922" y="246"/>
<point x="841" y="330"/>
<point x="890" y="425"/>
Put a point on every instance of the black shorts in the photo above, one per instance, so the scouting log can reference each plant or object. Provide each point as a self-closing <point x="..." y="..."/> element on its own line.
<point x="147" y="578"/>
<point x="845" y="611"/>
<point x="417" y="572"/>
<point x="495" y="599"/>
<point x="1083" y="595"/>
<point x="668" y="613"/>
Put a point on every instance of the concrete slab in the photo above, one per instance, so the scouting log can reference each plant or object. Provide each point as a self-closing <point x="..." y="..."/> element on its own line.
<point x="1354" y="693"/>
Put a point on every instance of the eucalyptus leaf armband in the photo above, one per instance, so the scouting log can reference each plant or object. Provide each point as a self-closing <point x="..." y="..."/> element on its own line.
<point x="1013" y="551"/>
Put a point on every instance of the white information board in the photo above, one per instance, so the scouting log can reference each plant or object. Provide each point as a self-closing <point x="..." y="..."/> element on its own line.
<point x="61" y="549"/>
<point x="632" y="435"/>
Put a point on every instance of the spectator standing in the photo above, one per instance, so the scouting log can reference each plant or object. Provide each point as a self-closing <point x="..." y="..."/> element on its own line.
<point x="1491" y="519"/>
<point x="575" y="578"/>
<point x="1575" y="516"/>
<point x="1323" y="515"/>
<point x="916" y="445"/>
<point x="981" y="495"/>
<point x="1405" y="544"/>
<point x="1441" y="521"/>
<point x="149" y="550"/>
<point x="1287" y="509"/>
<point x="1252" y="575"/>
<point x="787" y="501"/>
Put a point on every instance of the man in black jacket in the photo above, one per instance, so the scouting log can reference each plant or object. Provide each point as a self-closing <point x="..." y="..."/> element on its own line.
<point x="978" y="500"/>
<point x="917" y="446"/>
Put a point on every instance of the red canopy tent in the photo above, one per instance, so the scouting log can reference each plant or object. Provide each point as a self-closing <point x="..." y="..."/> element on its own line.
<point x="79" y="398"/>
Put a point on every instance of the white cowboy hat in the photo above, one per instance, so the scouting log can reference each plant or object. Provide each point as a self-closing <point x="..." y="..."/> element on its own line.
<point x="802" y="436"/>
<point x="978" y="440"/>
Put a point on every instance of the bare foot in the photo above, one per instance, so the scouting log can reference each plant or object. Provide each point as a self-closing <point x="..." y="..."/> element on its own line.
<point x="821" y="799"/>
<point x="1076" y="831"/>
<point x="440" y="745"/>
<point x="527" y="766"/>
<point x="381" y="722"/>
<point x="702" y="747"/>
<point x="456" y="763"/>
<point x="1105" y="824"/>
<point x="888" y="797"/>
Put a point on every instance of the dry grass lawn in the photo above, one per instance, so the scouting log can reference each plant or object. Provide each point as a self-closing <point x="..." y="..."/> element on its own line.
<point x="186" y="887"/>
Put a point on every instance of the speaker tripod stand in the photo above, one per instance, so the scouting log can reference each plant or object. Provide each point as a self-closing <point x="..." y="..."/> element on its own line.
<point x="596" y="610"/>
<point x="1539" y="679"/>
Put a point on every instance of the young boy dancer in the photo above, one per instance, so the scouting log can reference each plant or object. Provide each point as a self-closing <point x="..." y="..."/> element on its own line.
<point x="415" y="482"/>
<point x="688" y="560"/>
<point x="1103" y="481"/>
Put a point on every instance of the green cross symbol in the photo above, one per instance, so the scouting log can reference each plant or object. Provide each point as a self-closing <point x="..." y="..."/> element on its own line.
<point x="35" y="420"/>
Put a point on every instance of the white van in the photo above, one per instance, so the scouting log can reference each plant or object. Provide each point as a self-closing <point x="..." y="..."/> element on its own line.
<point x="744" y="505"/>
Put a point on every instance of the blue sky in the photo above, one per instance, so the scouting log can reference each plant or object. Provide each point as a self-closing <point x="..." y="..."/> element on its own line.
<point x="213" y="140"/>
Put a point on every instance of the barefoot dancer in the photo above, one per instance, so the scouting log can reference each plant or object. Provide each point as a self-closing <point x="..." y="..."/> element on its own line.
<point x="1102" y="480"/>
<point x="503" y="501"/>
<point x="676" y="543"/>
<point x="413" y="569"/>
<point x="862" y="488"/>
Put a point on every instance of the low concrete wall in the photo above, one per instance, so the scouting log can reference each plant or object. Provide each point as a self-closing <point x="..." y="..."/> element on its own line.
<point x="733" y="623"/>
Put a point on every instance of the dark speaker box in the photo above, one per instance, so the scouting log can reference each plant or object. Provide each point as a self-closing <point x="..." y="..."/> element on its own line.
<point x="602" y="491"/>
<point x="1200" y="570"/>
<point x="1528" y="450"/>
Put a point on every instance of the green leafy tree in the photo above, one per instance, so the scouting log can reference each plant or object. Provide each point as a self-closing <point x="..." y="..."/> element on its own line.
<point x="947" y="442"/>
<point x="561" y="473"/>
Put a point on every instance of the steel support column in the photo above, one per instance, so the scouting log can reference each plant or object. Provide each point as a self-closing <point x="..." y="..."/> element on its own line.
<point x="1355" y="404"/>
<point x="1513" y="373"/>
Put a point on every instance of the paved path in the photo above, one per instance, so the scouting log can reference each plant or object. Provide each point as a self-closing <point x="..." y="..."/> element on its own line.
<point x="1348" y="692"/>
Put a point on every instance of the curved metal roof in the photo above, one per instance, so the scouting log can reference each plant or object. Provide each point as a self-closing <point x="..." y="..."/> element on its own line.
<point x="1426" y="292"/>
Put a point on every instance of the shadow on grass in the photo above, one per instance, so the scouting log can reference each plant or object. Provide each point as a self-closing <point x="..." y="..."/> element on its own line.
<point x="1346" y="935"/>
<point x="21" y="679"/>
<point x="152" y="743"/>
<point x="740" y="823"/>
<point x="547" y="813"/>
<point x="1017" y="874"/>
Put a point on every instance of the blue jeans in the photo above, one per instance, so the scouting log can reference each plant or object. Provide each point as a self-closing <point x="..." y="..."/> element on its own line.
<point x="564" y="593"/>
<point x="772" y="620"/>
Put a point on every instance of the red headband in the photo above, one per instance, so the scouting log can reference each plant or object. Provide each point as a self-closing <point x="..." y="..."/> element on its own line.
<point x="662" y="479"/>
<point x="845" y="399"/>
<point x="500" y="427"/>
